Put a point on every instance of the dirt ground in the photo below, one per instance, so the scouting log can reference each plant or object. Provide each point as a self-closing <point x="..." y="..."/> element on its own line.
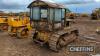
<point x="11" y="46"/>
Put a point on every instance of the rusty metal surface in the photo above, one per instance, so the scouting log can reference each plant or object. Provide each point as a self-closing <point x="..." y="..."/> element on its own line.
<point x="49" y="4"/>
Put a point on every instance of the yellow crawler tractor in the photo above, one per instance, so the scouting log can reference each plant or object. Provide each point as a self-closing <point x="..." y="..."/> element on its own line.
<point x="19" y="26"/>
<point x="71" y="15"/>
<point x="49" y="22"/>
<point x="95" y="14"/>
<point x="3" y="23"/>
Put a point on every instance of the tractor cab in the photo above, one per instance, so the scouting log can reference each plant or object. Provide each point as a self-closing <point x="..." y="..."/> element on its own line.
<point x="47" y="16"/>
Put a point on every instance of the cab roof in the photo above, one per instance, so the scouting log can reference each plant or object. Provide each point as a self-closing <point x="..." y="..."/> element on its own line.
<point x="45" y="3"/>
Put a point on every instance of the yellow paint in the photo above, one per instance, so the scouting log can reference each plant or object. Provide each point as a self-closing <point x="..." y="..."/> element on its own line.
<point x="2" y="20"/>
<point x="43" y="36"/>
<point x="39" y="3"/>
<point x="14" y="22"/>
<point x="19" y="23"/>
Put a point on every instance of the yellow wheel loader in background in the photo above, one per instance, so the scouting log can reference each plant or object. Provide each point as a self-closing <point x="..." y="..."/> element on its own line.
<point x="19" y="26"/>
<point x="3" y="23"/>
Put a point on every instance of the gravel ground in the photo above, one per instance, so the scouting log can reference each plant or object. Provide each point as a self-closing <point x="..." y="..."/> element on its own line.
<point x="11" y="46"/>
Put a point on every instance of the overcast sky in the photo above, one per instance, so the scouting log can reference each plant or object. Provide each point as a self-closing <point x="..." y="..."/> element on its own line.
<point x="21" y="5"/>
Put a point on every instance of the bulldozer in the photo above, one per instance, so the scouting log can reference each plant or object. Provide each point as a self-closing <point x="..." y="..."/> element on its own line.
<point x="19" y="26"/>
<point x="95" y="14"/>
<point x="49" y="21"/>
<point x="3" y="23"/>
<point x="71" y="15"/>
